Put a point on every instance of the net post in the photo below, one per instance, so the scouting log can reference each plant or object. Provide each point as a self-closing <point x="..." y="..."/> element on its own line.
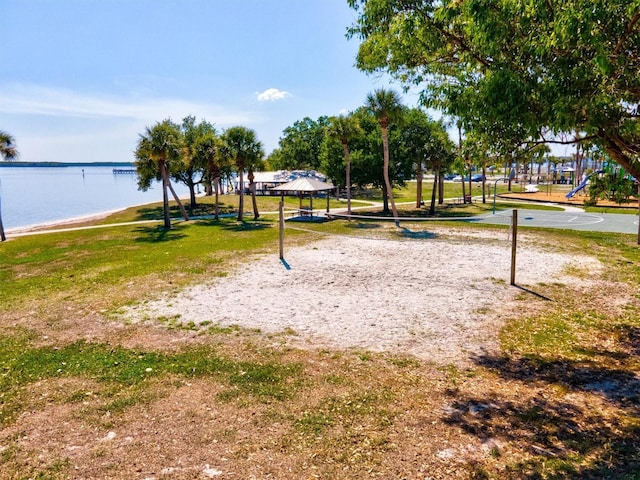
<point x="638" y="217"/>
<point x="281" y="225"/>
<point x="514" y="244"/>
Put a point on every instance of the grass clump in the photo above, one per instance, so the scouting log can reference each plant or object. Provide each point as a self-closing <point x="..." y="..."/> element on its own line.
<point x="22" y="364"/>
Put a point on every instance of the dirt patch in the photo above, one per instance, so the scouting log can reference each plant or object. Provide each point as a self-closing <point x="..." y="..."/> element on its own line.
<point x="439" y="299"/>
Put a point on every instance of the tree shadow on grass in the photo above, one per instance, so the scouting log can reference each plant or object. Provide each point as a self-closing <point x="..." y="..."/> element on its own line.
<point x="157" y="234"/>
<point x="245" y="225"/>
<point x="629" y="337"/>
<point x="200" y="210"/>
<point x="418" y="235"/>
<point x="563" y="436"/>
<point x="362" y="225"/>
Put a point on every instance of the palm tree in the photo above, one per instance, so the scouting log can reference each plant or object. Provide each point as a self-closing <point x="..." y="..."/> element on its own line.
<point x="385" y="106"/>
<point x="192" y="173"/>
<point x="242" y="147"/>
<point x="345" y="129"/>
<point x="7" y="152"/>
<point x="207" y="153"/>
<point x="158" y="149"/>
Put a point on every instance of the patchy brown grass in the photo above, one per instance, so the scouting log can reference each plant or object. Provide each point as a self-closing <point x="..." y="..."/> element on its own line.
<point x="560" y="401"/>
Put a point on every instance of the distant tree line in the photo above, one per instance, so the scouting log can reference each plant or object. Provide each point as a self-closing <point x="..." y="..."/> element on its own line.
<point x="350" y="149"/>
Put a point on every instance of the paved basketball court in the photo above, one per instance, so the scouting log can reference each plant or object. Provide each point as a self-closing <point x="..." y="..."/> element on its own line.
<point x="605" y="222"/>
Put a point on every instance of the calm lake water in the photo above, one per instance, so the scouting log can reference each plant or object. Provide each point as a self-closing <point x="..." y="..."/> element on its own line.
<point x="36" y="195"/>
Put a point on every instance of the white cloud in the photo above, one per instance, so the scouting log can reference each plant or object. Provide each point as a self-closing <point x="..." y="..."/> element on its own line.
<point x="272" y="94"/>
<point x="56" y="102"/>
<point x="54" y="124"/>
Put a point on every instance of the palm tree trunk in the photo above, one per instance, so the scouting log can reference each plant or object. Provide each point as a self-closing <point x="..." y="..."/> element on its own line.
<point x="2" y="235"/>
<point x="216" y="188"/>
<point x="165" y="195"/>
<point x="385" y="201"/>
<point x="432" y="206"/>
<point x="419" y="176"/>
<point x="440" y="187"/>
<point x="484" y="183"/>
<point x="252" y="189"/>
<point x="464" y="188"/>
<point x="347" y="158"/>
<point x="177" y="199"/>
<point x="241" y="199"/>
<point x="387" y="182"/>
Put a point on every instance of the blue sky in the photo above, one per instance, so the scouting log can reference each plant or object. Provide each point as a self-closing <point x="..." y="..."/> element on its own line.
<point x="81" y="79"/>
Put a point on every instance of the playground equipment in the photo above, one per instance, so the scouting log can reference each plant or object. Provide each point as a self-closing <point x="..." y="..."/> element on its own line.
<point x="583" y="184"/>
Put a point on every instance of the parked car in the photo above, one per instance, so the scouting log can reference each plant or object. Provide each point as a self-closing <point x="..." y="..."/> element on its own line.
<point x="450" y="176"/>
<point x="474" y="178"/>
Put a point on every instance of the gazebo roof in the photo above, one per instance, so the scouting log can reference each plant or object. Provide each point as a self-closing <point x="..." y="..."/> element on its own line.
<point x="304" y="185"/>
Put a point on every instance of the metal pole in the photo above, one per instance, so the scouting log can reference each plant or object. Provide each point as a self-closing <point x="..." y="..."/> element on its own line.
<point x="281" y="222"/>
<point x="495" y="189"/>
<point x="514" y="244"/>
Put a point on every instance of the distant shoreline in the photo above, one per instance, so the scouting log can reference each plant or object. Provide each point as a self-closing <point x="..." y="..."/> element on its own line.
<point x="66" y="164"/>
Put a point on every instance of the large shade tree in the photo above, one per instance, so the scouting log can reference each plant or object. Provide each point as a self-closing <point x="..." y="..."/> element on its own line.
<point x="427" y="144"/>
<point x="300" y="145"/>
<point x="194" y="163"/>
<point x="523" y="70"/>
<point x="385" y="105"/>
<point x="365" y="156"/>
<point x="244" y="150"/>
<point x="7" y="152"/>
<point x="158" y="153"/>
<point x="207" y="153"/>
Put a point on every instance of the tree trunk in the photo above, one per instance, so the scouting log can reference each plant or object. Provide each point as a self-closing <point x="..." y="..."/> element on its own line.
<point x="252" y="189"/>
<point x="387" y="182"/>
<point x="440" y="187"/>
<point x="419" y="177"/>
<point x="192" y="196"/>
<point x="385" y="201"/>
<point x="2" y="235"/>
<point x="165" y="195"/>
<point x="177" y="199"/>
<point x="241" y="199"/>
<point x="484" y="183"/>
<point x="432" y="206"/>
<point x="464" y="188"/>
<point x="347" y="159"/>
<point x="216" y="189"/>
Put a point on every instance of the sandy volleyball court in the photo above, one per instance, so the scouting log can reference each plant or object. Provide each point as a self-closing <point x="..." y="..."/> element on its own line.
<point x="439" y="299"/>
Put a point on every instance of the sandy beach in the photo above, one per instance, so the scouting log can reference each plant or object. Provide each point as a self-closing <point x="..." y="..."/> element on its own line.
<point x="441" y="299"/>
<point x="60" y="224"/>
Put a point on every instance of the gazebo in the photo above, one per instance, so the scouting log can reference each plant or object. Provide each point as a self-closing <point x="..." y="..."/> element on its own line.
<point x="302" y="186"/>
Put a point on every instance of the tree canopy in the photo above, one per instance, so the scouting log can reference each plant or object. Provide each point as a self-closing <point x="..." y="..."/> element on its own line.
<point x="7" y="152"/>
<point x="300" y="145"/>
<point x="520" y="70"/>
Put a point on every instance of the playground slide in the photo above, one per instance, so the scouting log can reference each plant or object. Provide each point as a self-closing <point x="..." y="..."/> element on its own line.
<point x="582" y="184"/>
<point x="578" y="188"/>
